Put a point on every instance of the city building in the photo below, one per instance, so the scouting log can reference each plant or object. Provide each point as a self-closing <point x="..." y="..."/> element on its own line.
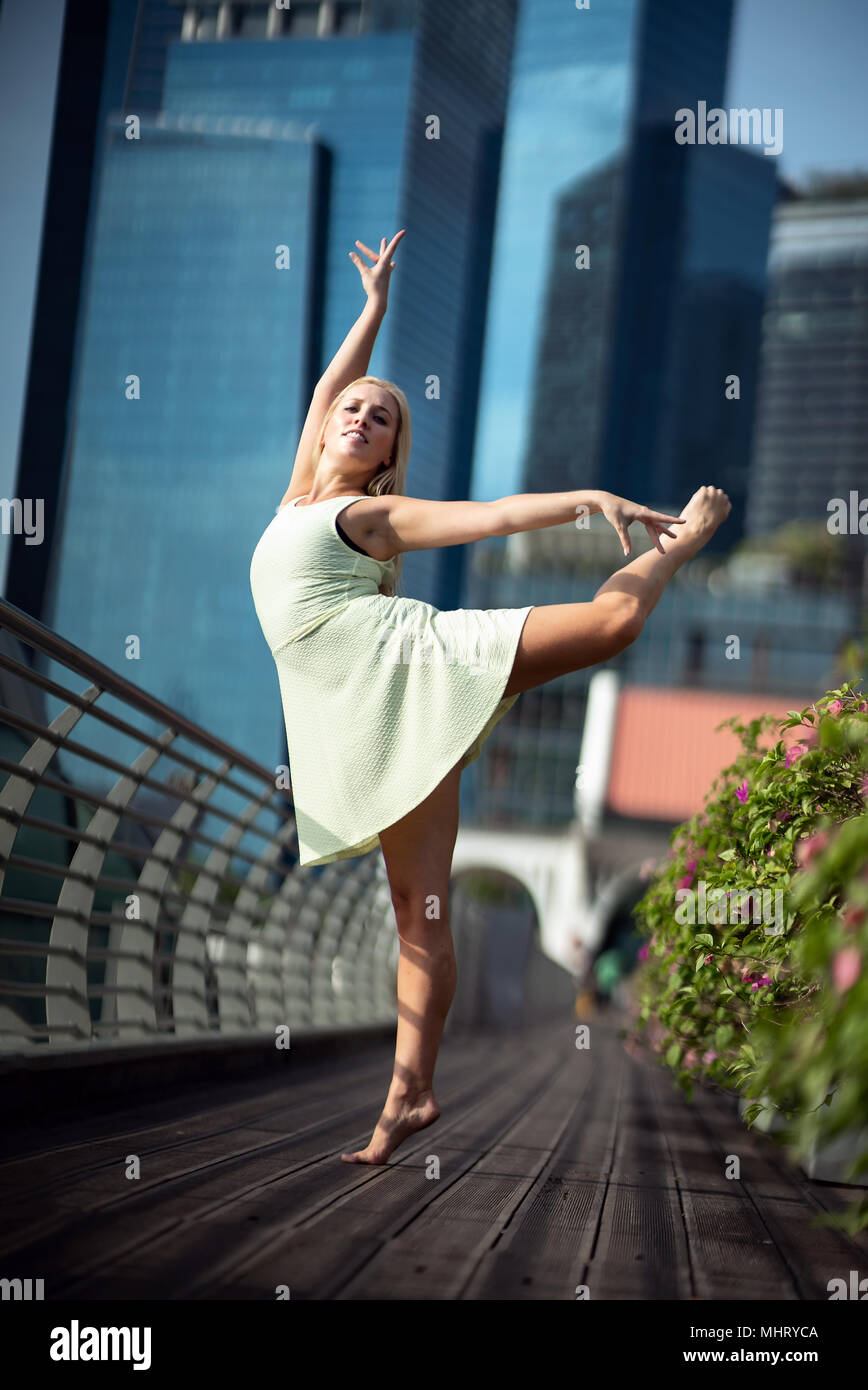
<point x="720" y="629"/>
<point x="591" y="91"/>
<point x="812" y="418"/>
<point x="219" y="288"/>
<point x="94" y="46"/>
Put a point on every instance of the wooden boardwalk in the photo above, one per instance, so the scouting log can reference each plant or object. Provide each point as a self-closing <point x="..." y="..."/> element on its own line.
<point x="558" y="1168"/>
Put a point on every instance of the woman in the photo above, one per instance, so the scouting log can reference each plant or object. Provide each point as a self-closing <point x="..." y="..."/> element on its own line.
<point x="386" y="699"/>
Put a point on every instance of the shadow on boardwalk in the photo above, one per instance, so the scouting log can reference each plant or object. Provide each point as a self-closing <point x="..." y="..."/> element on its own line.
<point x="557" y="1168"/>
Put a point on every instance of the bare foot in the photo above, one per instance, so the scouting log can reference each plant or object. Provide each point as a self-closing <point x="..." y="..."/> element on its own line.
<point x="705" y="511"/>
<point x="401" y="1117"/>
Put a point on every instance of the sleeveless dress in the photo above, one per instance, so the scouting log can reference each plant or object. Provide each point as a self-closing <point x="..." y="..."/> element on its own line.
<point x="381" y="695"/>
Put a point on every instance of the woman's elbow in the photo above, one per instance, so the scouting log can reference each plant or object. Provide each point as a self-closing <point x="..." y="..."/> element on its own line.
<point x="500" y="523"/>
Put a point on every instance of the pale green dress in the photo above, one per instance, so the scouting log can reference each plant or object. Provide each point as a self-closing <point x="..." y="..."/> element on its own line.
<point x="382" y="696"/>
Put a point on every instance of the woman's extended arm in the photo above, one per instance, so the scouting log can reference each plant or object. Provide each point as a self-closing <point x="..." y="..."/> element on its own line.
<point x="396" y="523"/>
<point x="349" y="362"/>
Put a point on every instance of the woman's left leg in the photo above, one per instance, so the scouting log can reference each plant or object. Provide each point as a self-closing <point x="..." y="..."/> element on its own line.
<point x="418" y="852"/>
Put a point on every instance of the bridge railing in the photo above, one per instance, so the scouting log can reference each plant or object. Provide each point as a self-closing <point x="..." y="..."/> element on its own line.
<point x="149" y="881"/>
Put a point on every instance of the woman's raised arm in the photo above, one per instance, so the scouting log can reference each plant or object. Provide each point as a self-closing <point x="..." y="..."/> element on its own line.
<point x="396" y="523"/>
<point x="349" y="362"/>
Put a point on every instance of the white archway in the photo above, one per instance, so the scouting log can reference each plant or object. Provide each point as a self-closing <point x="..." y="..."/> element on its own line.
<point x="552" y="867"/>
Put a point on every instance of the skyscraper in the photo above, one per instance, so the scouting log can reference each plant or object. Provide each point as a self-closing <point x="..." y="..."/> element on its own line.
<point x="627" y="291"/>
<point x="586" y="85"/>
<point x="220" y="287"/>
<point x="812" y="425"/>
<point x="193" y="346"/>
<point x="94" y="49"/>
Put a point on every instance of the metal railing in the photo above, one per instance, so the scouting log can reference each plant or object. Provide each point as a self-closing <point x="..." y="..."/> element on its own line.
<point x="160" y="895"/>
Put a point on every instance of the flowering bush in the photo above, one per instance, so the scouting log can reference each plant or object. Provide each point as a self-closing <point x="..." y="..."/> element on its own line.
<point x="754" y="973"/>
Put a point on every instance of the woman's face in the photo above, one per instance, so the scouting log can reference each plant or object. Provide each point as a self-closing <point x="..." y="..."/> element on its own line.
<point x="367" y="411"/>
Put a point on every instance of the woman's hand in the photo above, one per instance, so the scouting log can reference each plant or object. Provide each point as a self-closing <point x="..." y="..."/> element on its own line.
<point x="621" y="514"/>
<point x="375" y="278"/>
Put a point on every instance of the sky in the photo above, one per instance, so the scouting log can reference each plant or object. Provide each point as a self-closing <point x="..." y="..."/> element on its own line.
<point x="805" y="56"/>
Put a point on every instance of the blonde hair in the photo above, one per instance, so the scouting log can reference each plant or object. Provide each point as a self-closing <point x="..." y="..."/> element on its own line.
<point x="391" y="479"/>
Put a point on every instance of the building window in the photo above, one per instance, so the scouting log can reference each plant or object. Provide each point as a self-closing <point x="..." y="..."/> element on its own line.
<point x="252" y="22"/>
<point x="205" y="22"/>
<point x="695" y="662"/>
<point x="348" y="19"/>
<point x="760" y="665"/>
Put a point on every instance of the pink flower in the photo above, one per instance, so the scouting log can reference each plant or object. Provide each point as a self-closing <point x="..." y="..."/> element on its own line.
<point x="853" y="915"/>
<point x="862" y="705"/>
<point x="809" y="846"/>
<point x="795" y="752"/>
<point x="741" y="792"/>
<point x="686" y="881"/>
<point x="643" y="952"/>
<point x="846" y="968"/>
<point x="690" y="1058"/>
<point x="708" y="1056"/>
<point x="835" y="707"/>
<point x="708" y="960"/>
<point x="761" y="982"/>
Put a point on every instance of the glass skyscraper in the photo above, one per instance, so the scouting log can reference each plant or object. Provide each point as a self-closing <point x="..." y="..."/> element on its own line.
<point x="682" y="345"/>
<point x="199" y="349"/>
<point x="585" y="84"/>
<point x="812" y="421"/>
<point x="411" y="116"/>
<point x="607" y="368"/>
<point x="192" y="346"/>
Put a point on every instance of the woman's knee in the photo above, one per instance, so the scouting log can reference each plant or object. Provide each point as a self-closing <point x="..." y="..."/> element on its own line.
<point x="414" y="903"/>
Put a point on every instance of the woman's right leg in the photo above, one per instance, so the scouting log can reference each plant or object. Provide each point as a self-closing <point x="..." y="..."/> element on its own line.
<point x="561" y="637"/>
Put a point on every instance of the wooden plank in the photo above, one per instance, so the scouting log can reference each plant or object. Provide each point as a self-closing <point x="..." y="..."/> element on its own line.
<point x="207" y="1163"/>
<point x="321" y="1257"/>
<point x="436" y="1253"/>
<point x="308" y="1185"/>
<point x="545" y="1247"/>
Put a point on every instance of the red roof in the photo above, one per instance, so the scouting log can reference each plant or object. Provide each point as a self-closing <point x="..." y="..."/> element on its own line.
<point x="666" y="753"/>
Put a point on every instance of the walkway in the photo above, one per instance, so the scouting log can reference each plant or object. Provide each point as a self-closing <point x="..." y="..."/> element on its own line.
<point x="558" y="1168"/>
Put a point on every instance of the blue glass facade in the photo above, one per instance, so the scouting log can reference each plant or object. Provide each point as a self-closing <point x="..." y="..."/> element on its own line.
<point x="370" y="101"/>
<point x="631" y="352"/>
<point x="165" y="495"/>
<point x="355" y="92"/>
<point x="569" y="111"/>
<point x="687" y="317"/>
<point x="812" y="423"/>
<point x="614" y="376"/>
<point x="302" y="142"/>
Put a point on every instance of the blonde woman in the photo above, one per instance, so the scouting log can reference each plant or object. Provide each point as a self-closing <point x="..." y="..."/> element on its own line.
<point x="386" y="699"/>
